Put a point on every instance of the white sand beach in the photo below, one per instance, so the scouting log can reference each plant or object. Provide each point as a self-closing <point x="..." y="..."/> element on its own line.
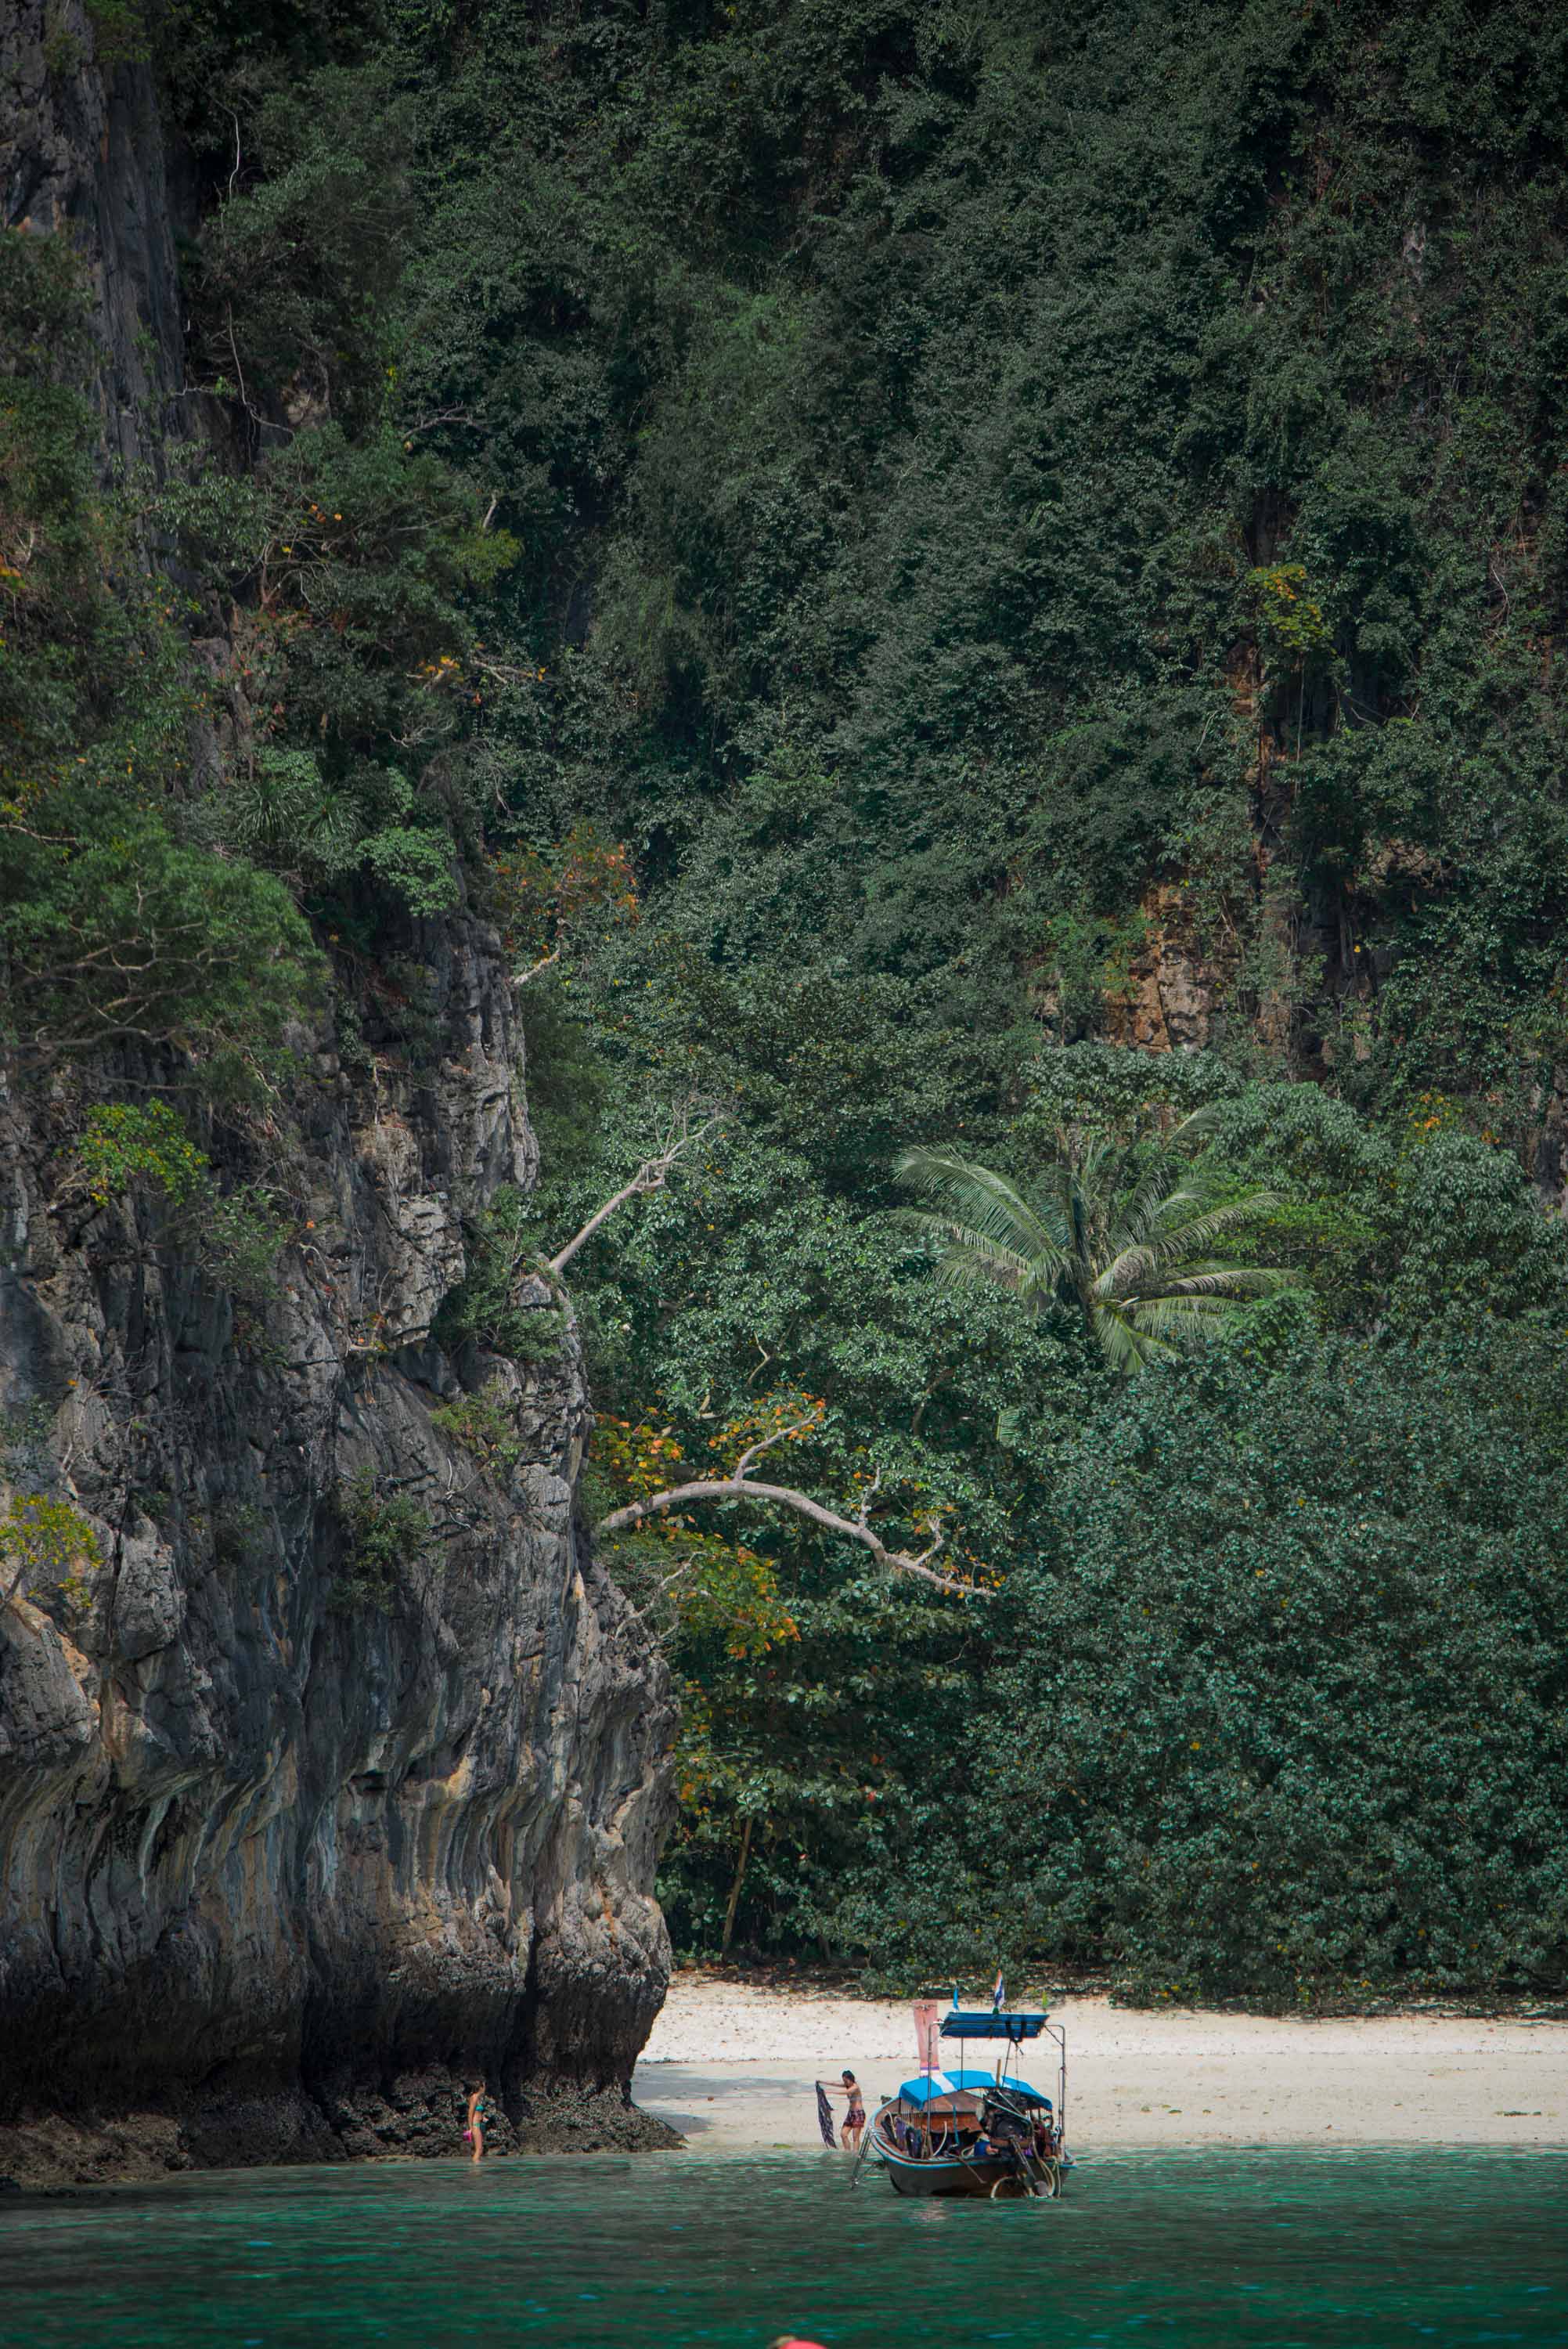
<point x="732" y="2066"/>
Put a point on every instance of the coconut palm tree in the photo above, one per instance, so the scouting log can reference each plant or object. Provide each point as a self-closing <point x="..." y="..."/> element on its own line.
<point x="1127" y="1235"/>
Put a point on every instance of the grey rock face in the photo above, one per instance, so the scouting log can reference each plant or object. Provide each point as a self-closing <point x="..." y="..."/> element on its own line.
<point x="81" y="153"/>
<point x="290" y="1853"/>
<point x="287" y="1858"/>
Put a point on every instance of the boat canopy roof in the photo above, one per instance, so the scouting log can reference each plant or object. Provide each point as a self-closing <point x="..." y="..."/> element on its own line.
<point x="990" y="2023"/>
<point x="931" y="2085"/>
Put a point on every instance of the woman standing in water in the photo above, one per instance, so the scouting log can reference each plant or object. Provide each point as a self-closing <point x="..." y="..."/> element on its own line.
<point x="855" y="2117"/>
<point x="476" y="2129"/>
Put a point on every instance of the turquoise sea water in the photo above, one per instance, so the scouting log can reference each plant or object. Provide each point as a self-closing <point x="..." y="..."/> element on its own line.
<point x="1338" y="2251"/>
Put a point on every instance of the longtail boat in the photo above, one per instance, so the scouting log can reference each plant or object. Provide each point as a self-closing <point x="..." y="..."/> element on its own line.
<point x="956" y="2130"/>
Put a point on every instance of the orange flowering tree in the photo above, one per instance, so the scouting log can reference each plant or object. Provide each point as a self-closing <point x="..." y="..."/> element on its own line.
<point x="715" y="1593"/>
<point x="693" y="1578"/>
<point x="748" y="1438"/>
<point x="543" y="897"/>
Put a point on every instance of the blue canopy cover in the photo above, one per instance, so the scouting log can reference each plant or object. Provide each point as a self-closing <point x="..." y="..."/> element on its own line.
<point x="972" y="2023"/>
<point x="930" y="2085"/>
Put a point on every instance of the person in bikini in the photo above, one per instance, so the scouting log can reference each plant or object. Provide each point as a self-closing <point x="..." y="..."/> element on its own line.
<point x="478" y="2114"/>
<point x="855" y="2117"/>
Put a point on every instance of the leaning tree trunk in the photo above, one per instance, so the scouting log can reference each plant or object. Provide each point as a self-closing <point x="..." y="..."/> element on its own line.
<point x="730" y="1913"/>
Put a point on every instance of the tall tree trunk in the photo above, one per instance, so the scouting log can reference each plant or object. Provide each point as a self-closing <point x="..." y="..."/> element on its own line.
<point x="735" y="1888"/>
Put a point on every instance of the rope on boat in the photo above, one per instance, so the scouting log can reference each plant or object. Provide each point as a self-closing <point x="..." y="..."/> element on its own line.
<point x="865" y="2147"/>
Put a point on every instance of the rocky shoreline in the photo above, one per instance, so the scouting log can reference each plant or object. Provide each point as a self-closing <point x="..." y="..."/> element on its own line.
<point x="419" y="2117"/>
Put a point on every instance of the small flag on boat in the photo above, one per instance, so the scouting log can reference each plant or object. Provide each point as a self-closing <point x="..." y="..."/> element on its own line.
<point x="998" y="1995"/>
<point x="824" y="2117"/>
<point x="927" y="2053"/>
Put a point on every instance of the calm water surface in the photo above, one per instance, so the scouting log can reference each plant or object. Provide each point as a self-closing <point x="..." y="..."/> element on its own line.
<point x="1330" y="2251"/>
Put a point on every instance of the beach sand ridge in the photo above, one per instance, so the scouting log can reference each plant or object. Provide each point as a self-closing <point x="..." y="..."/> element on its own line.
<point x="731" y="2065"/>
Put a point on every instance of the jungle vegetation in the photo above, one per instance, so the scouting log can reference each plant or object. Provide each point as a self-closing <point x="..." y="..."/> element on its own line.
<point x="1126" y="1236"/>
<point x="914" y="559"/>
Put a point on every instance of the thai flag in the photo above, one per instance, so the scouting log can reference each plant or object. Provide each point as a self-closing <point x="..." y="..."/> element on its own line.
<point x="998" y="1995"/>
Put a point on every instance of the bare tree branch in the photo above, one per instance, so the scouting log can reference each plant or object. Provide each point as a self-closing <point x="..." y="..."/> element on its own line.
<point x="446" y="415"/>
<point x="521" y="977"/>
<point x="740" y="1486"/>
<point x="651" y="1176"/>
<point x="235" y="354"/>
<point x="780" y="1435"/>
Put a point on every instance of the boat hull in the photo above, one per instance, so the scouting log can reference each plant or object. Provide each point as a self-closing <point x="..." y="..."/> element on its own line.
<point x="990" y="2180"/>
<point x="1005" y="2172"/>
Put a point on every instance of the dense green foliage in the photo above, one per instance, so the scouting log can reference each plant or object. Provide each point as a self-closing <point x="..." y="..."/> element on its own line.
<point x="980" y="503"/>
<point x="119" y="928"/>
<point x="1126" y="1234"/>
<point x="1291" y="1703"/>
<point x="385" y="1534"/>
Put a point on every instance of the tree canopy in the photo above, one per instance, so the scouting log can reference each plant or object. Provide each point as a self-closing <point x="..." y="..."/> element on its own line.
<point x="1125" y="1235"/>
<point x="942" y="576"/>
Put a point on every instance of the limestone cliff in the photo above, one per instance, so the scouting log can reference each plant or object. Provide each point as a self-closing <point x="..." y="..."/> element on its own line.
<point x="291" y="1848"/>
<point x="284" y="1858"/>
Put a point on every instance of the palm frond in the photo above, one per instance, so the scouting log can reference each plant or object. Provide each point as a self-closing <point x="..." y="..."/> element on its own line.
<point x="1198" y="1221"/>
<point x="1183" y="1223"/>
<point x="1051" y="1197"/>
<point x="1126" y="1342"/>
<point x="1170" y="1317"/>
<point x="1127" y="1273"/>
<point x="1181" y="1305"/>
<point x="1140" y="1274"/>
<point x="1198" y="1125"/>
<point x="1237" y="1281"/>
<point x="1155" y="1183"/>
<point x="978" y="1202"/>
<point x="971" y="1256"/>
